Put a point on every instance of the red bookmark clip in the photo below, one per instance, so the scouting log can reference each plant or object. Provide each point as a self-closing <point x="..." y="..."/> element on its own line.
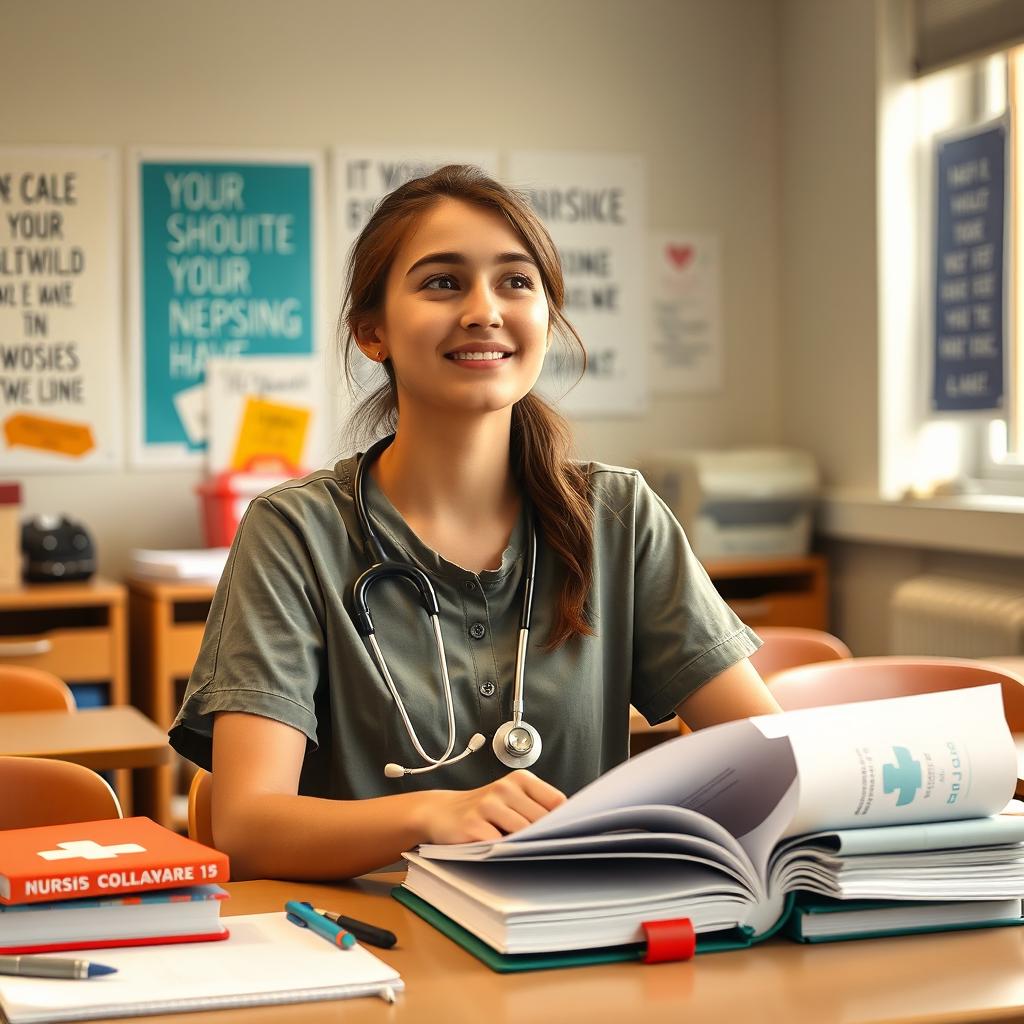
<point x="669" y="940"/>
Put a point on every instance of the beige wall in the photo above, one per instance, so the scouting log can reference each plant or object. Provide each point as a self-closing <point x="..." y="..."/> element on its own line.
<point x="691" y="85"/>
<point x="829" y="350"/>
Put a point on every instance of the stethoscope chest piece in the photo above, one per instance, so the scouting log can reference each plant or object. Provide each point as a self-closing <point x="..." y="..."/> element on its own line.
<point x="517" y="746"/>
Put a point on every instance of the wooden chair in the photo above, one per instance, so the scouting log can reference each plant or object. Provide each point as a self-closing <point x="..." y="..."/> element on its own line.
<point x="857" y="679"/>
<point x="32" y="689"/>
<point x="37" y="791"/>
<point x="789" y="646"/>
<point x="200" y="820"/>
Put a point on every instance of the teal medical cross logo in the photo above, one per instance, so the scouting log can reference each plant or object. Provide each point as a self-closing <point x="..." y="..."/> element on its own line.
<point x="904" y="775"/>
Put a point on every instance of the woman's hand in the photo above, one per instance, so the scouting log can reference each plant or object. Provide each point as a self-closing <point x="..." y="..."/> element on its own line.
<point x="503" y="806"/>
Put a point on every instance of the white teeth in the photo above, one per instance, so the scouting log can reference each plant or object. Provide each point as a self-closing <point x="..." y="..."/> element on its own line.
<point x="478" y="355"/>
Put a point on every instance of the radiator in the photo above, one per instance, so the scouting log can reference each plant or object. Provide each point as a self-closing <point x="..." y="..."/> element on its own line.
<point x="950" y="617"/>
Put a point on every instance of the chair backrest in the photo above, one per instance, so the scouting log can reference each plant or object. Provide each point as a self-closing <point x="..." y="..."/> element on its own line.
<point x="200" y="818"/>
<point x="37" y="791"/>
<point x="32" y="689"/>
<point x="857" y="679"/>
<point x="788" y="646"/>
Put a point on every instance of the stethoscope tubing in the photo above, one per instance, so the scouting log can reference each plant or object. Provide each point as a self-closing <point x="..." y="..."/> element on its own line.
<point x="384" y="568"/>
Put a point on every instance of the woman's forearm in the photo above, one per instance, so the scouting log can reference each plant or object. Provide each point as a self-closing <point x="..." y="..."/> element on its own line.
<point x="273" y="835"/>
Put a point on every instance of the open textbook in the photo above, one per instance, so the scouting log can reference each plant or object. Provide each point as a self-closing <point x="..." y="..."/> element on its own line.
<point x="890" y="800"/>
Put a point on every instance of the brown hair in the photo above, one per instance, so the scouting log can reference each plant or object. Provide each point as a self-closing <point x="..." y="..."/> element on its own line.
<point x="541" y="440"/>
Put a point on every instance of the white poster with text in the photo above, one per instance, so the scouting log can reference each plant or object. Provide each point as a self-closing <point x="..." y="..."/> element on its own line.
<point x="686" y="346"/>
<point x="60" y="322"/>
<point x="594" y="206"/>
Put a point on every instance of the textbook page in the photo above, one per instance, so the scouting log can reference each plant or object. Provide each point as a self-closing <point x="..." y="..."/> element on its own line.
<point x="931" y="757"/>
<point x="732" y="773"/>
<point x="773" y="776"/>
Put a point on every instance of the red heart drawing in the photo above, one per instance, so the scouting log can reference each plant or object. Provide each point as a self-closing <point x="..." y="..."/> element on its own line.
<point x="680" y="255"/>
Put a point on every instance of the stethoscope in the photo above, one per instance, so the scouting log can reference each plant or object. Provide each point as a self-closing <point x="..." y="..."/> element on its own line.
<point x="516" y="744"/>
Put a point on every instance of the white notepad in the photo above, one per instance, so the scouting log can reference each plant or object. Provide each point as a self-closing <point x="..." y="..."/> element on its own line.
<point x="267" y="960"/>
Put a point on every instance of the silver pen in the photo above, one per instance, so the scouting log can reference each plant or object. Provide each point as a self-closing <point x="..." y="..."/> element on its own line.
<point x="52" y="967"/>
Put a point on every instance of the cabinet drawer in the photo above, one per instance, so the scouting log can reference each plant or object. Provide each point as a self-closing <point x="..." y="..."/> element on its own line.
<point x="781" y="610"/>
<point x="183" y="647"/>
<point x="76" y="655"/>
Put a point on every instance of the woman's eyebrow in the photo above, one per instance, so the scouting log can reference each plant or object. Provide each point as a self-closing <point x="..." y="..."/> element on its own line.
<point x="460" y="260"/>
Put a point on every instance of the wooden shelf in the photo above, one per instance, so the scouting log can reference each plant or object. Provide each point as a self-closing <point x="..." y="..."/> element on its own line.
<point x="774" y="592"/>
<point x="74" y="630"/>
<point x="167" y="623"/>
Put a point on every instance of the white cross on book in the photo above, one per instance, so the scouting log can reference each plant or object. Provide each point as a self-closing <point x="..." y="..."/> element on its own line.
<point x="89" y="850"/>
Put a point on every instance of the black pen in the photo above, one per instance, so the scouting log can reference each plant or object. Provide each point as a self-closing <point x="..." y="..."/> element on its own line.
<point x="364" y="932"/>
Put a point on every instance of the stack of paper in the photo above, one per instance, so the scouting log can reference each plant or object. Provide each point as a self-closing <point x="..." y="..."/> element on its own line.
<point x="201" y="565"/>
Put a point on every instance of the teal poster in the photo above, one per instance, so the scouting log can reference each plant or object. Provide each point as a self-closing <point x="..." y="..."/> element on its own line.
<point x="226" y="267"/>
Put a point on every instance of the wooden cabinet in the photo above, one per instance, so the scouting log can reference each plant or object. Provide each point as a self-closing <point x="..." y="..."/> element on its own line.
<point x="774" y="591"/>
<point x="167" y="623"/>
<point x="77" y="632"/>
<point x="762" y="592"/>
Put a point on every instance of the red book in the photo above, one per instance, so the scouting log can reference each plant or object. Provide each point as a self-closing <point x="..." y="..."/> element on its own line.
<point x="101" y="858"/>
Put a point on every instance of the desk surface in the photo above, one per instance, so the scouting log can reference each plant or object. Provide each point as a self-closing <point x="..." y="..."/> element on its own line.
<point x="959" y="976"/>
<point x="96" y="591"/>
<point x="99" y="738"/>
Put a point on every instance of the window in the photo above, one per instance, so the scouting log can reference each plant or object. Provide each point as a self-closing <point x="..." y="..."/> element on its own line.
<point x="924" y="450"/>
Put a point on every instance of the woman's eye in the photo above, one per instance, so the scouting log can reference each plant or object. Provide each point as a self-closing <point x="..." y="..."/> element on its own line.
<point x="525" y="282"/>
<point x="442" y="279"/>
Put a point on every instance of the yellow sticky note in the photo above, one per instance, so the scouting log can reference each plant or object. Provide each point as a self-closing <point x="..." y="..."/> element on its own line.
<point x="270" y="432"/>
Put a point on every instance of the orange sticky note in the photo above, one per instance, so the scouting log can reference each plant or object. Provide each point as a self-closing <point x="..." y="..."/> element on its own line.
<point x="48" y="435"/>
<point x="270" y="431"/>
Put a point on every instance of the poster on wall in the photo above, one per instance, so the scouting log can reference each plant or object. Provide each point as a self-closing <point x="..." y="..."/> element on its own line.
<point x="60" y="320"/>
<point x="361" y="177"/>
<point x="226" y="258"/>
<point x="265" y="413"/>
<point x="594" y="208"/>
<point x="968" y="344"/>
<point x="686" y="322"/>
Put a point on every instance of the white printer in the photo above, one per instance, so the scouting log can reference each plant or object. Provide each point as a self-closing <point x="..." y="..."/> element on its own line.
<point x="739" y="503"/>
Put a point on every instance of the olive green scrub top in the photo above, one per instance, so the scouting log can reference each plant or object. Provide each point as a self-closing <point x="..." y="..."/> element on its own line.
<point x="281" y="642"/>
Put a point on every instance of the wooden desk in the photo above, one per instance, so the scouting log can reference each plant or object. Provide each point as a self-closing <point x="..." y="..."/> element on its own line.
<point x="958" y="976"/>
<point x="99" y="738"/>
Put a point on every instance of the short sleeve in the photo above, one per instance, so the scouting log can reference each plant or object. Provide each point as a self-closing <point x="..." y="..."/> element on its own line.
<point x="262" y="651"/>
<point x="684" y="633"/>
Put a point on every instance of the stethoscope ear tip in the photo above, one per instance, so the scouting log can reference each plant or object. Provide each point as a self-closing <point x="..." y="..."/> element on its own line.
<point x="393" y="771"/>
<point x="476" y="741"/>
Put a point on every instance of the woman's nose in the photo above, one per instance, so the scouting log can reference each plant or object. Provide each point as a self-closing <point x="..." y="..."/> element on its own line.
<point x="481" y="308"/>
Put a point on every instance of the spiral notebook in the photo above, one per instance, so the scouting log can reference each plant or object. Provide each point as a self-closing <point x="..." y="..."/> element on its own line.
<point x="266" y="961"/>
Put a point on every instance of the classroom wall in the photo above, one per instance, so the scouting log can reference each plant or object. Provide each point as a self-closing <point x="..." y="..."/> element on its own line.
<point x="829" y="343"/>
<point x="691" y="85"/>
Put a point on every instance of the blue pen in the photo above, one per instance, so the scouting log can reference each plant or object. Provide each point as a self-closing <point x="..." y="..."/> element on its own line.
<point x="305" y="916"/>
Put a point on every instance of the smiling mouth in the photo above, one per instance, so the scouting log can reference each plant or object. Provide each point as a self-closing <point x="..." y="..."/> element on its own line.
<point x="477" y="356"/>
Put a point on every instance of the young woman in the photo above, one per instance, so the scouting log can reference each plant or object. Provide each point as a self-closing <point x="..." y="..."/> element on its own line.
<point x="337" y="742"/>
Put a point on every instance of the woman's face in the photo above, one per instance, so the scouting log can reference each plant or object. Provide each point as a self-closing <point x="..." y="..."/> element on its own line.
<point x="465" y="320"/>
